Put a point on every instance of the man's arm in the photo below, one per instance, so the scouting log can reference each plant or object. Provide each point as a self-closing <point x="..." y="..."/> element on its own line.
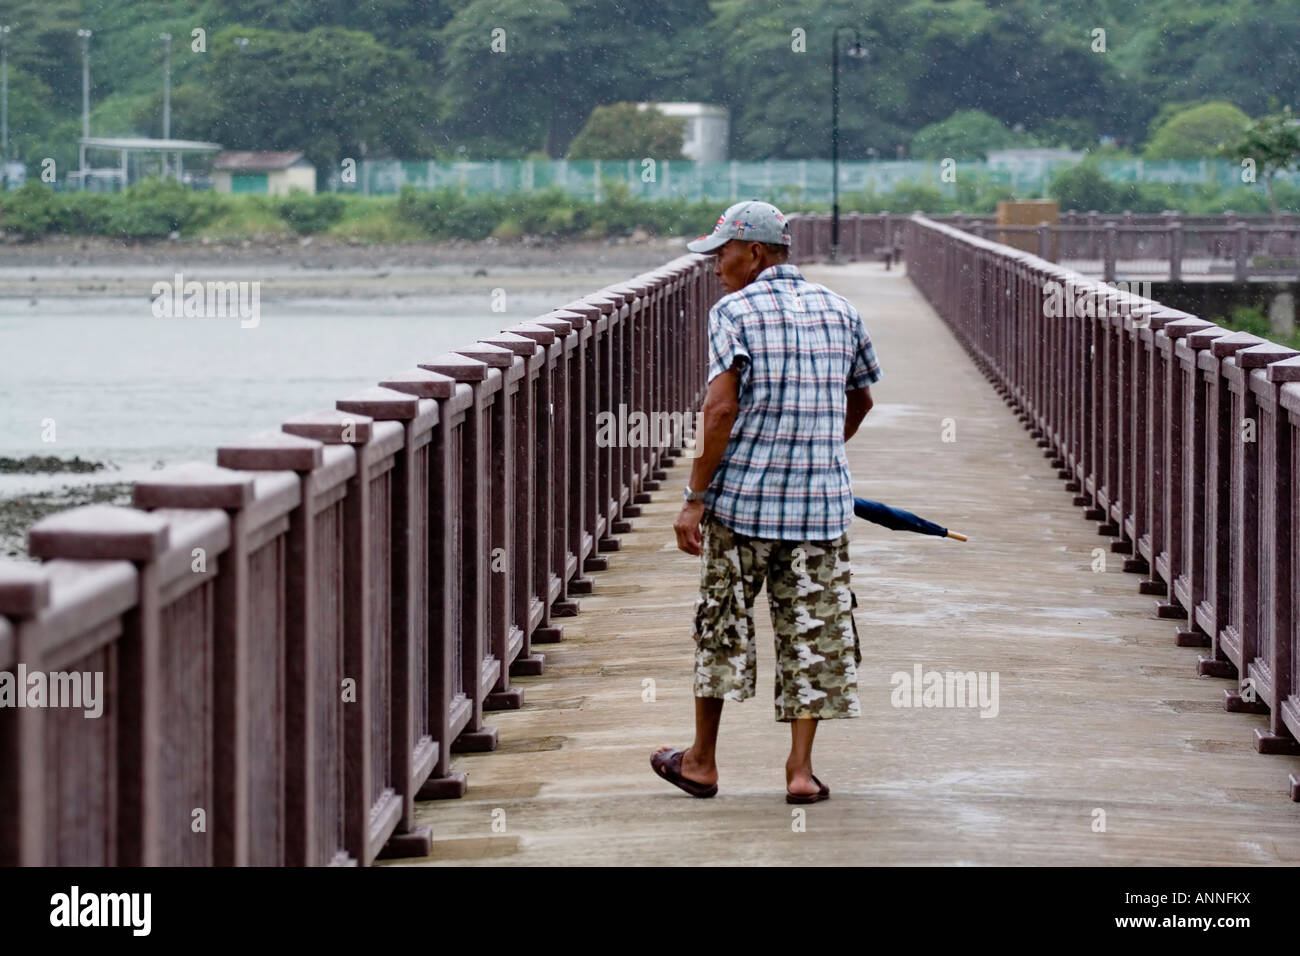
<point x="717" y="414"/>
<point x="858" y="404"/>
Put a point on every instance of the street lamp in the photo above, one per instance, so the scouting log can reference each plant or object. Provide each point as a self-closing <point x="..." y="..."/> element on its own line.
<point x="4" y="103"/>
<point x="85" y="98"/>
<point x="857" y="51"/>
<point x="167" y="95"/>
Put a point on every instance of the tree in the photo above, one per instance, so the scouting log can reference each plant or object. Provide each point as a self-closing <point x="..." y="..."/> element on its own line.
<point x="30" y="103"/>
<point x="1197" y="132"/>
<point x="1066" y="132"/>
<point x="1085" y="187"/>
<point x="1273" y="144"/>
<point x="966" y="134"/>
<point x="773" y="72"/>
<point x="1247" y="57"/>
<point x="925" y="61"/>
<point x="624" y="131"/>
<point x="535" y="71"/>
<point x="330" y="92"/>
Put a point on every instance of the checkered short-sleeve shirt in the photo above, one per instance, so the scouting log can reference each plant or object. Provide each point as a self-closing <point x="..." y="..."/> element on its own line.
<point x="800" y="347"/>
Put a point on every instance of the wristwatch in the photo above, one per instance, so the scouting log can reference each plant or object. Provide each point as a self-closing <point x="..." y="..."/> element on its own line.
<point x="688" y="495"/>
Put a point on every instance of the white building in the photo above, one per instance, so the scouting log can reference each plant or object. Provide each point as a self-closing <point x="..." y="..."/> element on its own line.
<point x="706" y="132"/>
<point x="1006" y="158"/>
<point x="268" y="172"/>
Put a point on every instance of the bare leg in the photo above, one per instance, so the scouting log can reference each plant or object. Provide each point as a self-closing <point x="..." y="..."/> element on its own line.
<point x="698" y="763"/>
<point x="798" y="768"/>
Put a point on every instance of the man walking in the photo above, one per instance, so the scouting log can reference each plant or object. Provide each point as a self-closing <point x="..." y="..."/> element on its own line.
<point x="770" y="499"/>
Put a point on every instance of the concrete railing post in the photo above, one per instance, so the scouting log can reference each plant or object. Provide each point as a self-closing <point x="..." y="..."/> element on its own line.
<point x="146" y="818"/>
<point x="1175" y="250"/>
<point x="25" y="592"/>
<point x="248" y="689"/>
<point x="480" y="668"/>
<point x="372" y="801"/>
<point x="1241" y="256"/>
<point x="312" y="560"/>
<point x="1108" y="265"/>
<point x="399" y="655"/>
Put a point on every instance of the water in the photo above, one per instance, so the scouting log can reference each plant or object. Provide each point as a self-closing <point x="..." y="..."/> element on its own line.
<point x="125" y="387"/>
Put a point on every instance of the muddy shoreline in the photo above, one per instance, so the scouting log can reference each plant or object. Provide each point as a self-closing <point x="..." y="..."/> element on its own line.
<point x="315" y="253"/>
<point x="20" y="512"/>
<point x="83" y="267"/>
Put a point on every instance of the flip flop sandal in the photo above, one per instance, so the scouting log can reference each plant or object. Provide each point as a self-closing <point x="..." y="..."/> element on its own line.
<point x="668" y="765"/>
<point x="824" y="794"/>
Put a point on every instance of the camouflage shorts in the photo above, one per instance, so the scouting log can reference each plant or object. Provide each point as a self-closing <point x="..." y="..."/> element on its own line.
<point x="817" y="650"/>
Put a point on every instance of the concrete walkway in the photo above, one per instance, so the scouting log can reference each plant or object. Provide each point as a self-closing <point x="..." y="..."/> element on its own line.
<point x="1100" y="716"/>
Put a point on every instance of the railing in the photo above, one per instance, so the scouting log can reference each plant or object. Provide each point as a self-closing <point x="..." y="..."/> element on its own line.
<point x="1234" y="248"/>
<point x="1231" y="247"/>
<point x="1094" y="219"/>
<point x="293" y="643"/>
<point x="862" y="236"/>
<point x="1180" y="437"/>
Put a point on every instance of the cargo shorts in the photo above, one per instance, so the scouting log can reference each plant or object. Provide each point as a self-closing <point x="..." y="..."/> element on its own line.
<point x="817" y="650"/>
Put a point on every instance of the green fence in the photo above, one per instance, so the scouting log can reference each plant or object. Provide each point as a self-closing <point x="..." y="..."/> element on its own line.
<point x="778" y="180"/>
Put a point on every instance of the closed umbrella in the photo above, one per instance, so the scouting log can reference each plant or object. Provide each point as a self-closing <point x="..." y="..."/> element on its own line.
<point x="899" y="520"/>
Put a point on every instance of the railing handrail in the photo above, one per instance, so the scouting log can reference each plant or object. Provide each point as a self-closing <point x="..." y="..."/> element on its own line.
<point x="297" y="639"/>
<point x="1179" y="437"/>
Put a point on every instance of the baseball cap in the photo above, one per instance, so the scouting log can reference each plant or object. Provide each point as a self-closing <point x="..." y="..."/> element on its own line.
<point x="751" y="220"/>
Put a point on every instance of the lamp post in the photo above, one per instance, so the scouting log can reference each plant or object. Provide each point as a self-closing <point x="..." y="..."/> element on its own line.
<point x="85" y="98"/>
<point x="857" y="51"/>
<point x="4" y="104"/>
<point x="167" y="97"/>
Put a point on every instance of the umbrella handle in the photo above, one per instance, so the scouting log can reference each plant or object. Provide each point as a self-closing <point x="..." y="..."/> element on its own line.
<point x="957" y="534"/>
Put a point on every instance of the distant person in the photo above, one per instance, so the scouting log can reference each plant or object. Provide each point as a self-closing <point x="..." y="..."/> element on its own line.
<point x="770" y="499"/>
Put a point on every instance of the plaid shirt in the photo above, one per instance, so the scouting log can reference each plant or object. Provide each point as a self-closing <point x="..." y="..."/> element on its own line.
<point x="784" y="473"/>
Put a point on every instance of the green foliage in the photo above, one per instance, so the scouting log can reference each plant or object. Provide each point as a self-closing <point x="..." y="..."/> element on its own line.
<point x="149" y="210"/>
<point x="912" y="198"/>
<point x="445" y="214"/>
<point x="623" y="131"/>
<point x="1084" y="187"/>
<point x="1066" y="132"/>
<point x="419" y="79"/>
<point x="86" y="214"/>
<point x="155" y="208"/>
<point x="330" y="92"/>
<point x="1249" y="318"/>
<point x="35" y="210"/>
<point x="1199" y="131"/>
<point x="1272" y="143"/>
<point x="967" y="134"/>
<point x="561" y="59"/>
<point x="31" y="211"/>
<point x="245" y="216"/>
<point x="308" y="214"/>
<point x="1246" y="199"/>
<point x="374" y="219"/>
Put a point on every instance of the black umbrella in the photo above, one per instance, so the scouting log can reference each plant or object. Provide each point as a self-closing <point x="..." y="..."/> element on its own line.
<point x="897" y="519"/>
